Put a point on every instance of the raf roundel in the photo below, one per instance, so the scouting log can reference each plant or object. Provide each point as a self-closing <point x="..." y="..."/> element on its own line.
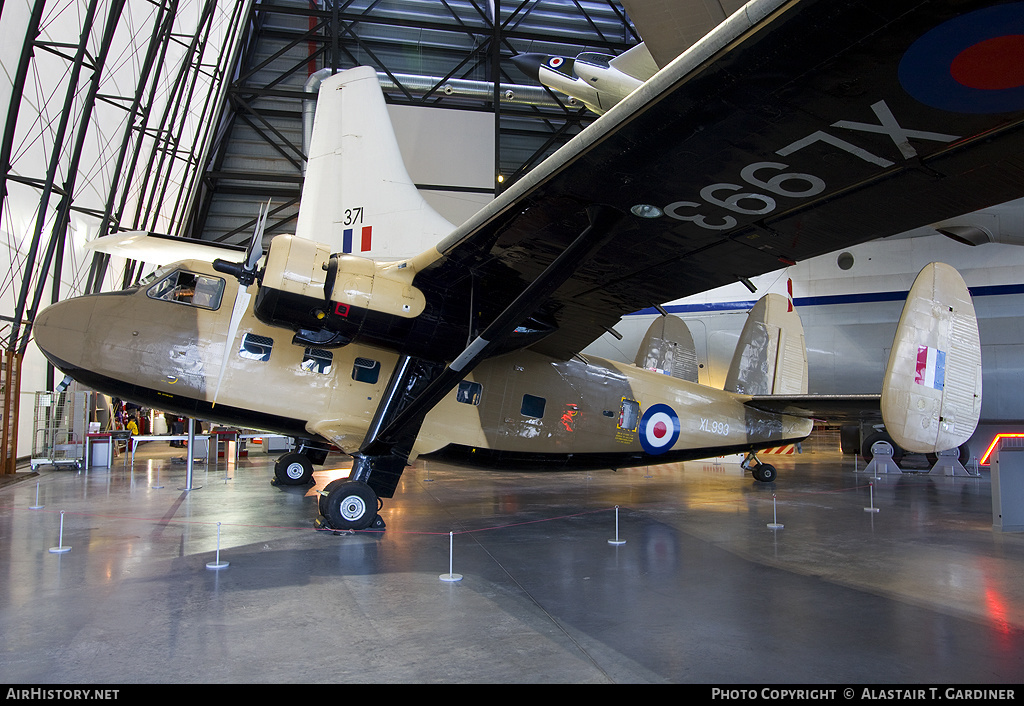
<point x="659" y="429"/>
<point x="970" y="64"/>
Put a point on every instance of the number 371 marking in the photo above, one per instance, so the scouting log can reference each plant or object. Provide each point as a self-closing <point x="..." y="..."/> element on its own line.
<point x="353" y="216"/>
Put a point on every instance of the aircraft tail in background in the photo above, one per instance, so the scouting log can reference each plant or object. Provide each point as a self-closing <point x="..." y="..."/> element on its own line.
<point x="931" y="393"/>
<point x="770" y="357"/>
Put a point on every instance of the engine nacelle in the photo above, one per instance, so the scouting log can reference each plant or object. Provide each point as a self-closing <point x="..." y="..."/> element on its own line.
<point x="333" y="299"/>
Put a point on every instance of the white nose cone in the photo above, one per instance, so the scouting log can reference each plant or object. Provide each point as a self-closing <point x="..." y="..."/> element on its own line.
<point x="931" y="395"/>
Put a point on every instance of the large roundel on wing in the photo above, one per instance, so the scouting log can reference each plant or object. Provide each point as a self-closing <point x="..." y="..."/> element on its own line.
<point x="971" y="64"/>
<point x="659" y="429"/>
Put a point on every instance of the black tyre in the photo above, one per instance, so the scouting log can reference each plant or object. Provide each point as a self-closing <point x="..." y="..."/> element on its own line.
<point x="351" y="505"/>
<point x="766" y="473"/>
<point x="849" y="439"/>
<point x="293" y="469"/>
<point x="865" y="452"/>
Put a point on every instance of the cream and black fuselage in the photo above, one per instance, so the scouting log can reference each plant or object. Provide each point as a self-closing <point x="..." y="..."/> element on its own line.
<point x="155" y="346"/>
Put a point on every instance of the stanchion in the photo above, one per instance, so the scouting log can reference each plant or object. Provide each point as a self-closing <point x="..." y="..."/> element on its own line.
<point x="191" y="452"/>
<point x="60" y="548"/>
<point x="871" y="486"/>
<point x="217" y="563"/>
<point x="616" y="541"/>
<point x="450" y="577"/>
<point x="774" y="524"/>
<point x="37" y="506"/>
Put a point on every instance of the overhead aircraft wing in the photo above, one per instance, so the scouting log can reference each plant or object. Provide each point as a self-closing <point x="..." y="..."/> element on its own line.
<point x="162" y="249"/>
<point x="670" y="27"/>
<point x="794" y="129"/>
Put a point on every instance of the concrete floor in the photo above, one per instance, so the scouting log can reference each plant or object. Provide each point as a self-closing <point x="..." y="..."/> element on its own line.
<point x="923" y="591"/>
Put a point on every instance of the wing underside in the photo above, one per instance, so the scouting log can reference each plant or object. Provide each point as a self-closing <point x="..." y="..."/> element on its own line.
<point x="792" y="130"/>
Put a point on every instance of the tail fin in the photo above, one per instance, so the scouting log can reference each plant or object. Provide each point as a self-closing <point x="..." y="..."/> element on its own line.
<point x="668" y="348"/>
<point x="770" y="357"/>
<point x="357" y="196"/>
<point x="931" y="395"/>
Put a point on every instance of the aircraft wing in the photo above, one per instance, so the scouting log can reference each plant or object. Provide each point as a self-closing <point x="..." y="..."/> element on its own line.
<point x="794" y="129"/>
<point x="670" y="27"/>
<point x="162" y="249"/>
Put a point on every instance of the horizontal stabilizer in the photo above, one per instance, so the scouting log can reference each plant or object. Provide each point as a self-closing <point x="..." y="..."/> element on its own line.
<point x="835" y="409"/>
<point x="931" y="394"/>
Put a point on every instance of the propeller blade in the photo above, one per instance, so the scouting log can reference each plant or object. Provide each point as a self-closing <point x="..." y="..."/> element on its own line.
<point x="245" y="277"/>
<point x="256" y="244"/>
<point x="241" y="303"/>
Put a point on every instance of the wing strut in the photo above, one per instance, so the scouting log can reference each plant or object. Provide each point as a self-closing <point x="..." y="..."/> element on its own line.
<point x="417" y="384"/>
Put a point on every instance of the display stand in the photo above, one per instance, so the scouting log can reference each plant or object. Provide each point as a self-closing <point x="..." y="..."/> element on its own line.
<point x="881" y="459"/>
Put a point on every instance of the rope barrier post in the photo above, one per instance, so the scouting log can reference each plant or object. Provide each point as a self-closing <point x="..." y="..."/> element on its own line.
<point x="871" y="485"/>
<point x="450" y="577"/>
<point x="60" y="548"/>
<point x="37" y="506"/>
<point x="616" y="542"/>
<point x="217" y="563"/>
<point x="774" y="524"/>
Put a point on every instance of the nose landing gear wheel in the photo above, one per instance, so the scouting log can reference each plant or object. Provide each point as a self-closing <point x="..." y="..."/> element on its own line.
<point x="349" y="505"/>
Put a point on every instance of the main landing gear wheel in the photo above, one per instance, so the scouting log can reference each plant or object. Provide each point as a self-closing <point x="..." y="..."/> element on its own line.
<point x="349" y="505"/>
<point x="293" y="469"/>
<point x="764" y="472"/>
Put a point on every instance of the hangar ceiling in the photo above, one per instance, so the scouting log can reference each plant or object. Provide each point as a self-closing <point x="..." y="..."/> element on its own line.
<point x="427" y="53"/>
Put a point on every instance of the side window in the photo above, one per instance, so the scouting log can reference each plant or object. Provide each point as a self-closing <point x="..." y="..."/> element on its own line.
<point x="469" y="392"/>
<point x="629" y="414"/>
<point x="317" y="360"/>
<point x="533" y="406"/>
<point x="366" y="370"/>
<point x="189" y="288"/>
<point x="255" y="347"/>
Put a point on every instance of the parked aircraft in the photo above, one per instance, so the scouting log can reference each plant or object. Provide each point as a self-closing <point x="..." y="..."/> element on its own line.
<point x="469" y="349"/>
<point x="599" y="81"/>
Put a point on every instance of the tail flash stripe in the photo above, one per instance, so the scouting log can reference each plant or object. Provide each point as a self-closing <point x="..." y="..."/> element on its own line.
<point x="365" y="245"/>
<point x="931" y="367"/>
<point x="346" y="241"/>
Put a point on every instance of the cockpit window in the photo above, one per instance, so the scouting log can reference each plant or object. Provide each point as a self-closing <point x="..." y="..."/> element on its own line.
<point x="189" y="288"/>
<point x="595" y="59"/>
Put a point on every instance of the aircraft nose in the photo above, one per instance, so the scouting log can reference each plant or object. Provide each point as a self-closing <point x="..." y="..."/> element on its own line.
<point x="59" y="330"/>
<point x="530" y="64"/>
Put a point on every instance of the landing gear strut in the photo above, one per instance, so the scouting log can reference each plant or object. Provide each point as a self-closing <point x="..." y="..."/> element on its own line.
<point x="763" y="472"/>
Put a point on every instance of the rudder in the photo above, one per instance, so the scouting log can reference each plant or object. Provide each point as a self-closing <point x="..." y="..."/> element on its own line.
<point x="357" y="196"/>
<point x="770" y="357"/>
